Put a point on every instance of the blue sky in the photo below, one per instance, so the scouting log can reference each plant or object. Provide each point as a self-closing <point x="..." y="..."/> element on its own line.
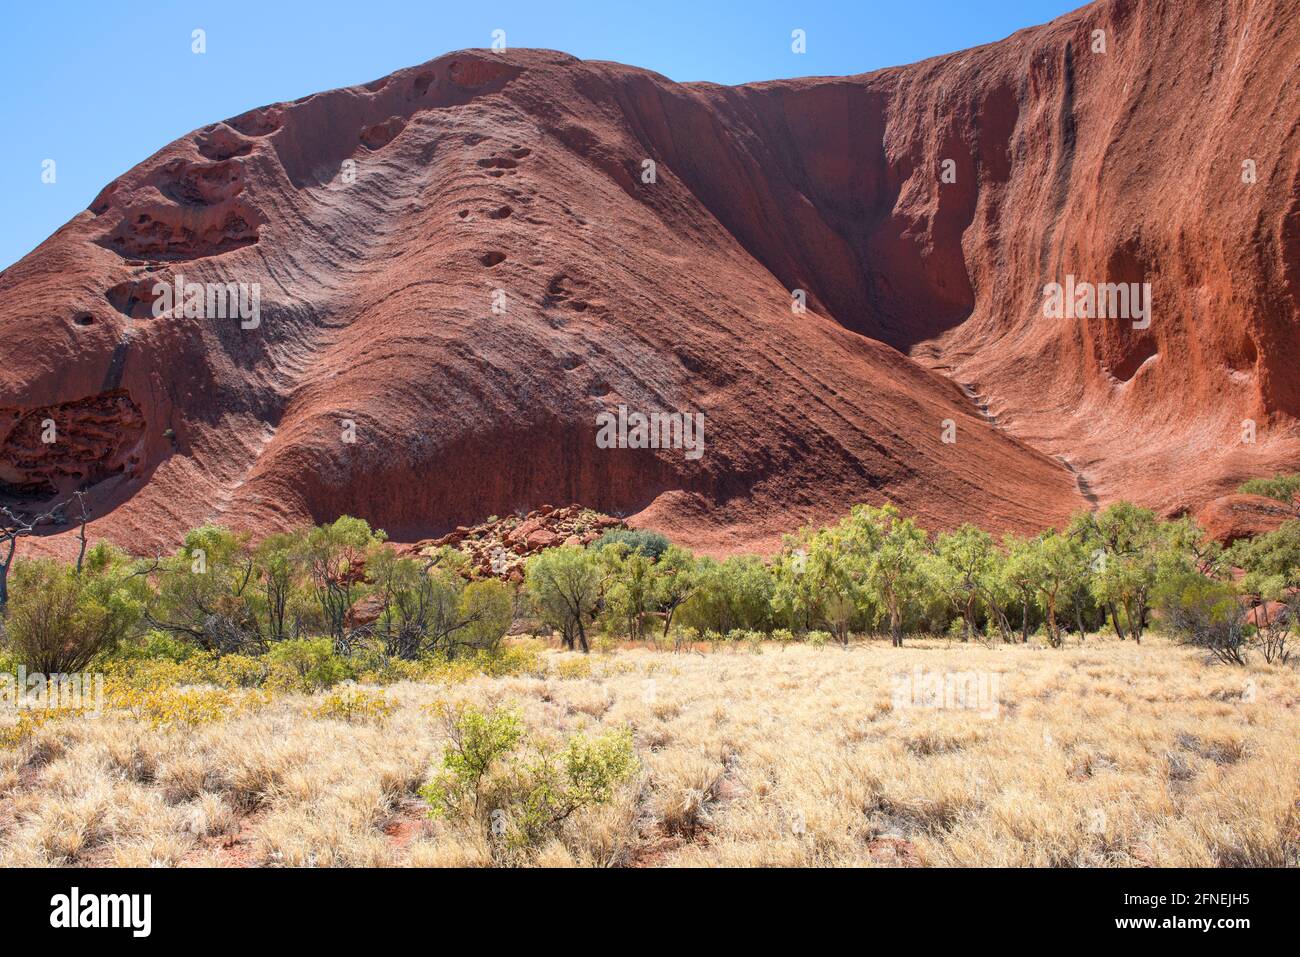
<point x="99" y="85"/>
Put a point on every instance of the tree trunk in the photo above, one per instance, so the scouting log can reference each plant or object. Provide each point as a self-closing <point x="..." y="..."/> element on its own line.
<point x="4" y="576"/>
<point x="996" y="617"/>
<point x="668" y="620"/>
<point x="1024" y="621"/>
<point x="1114" y="618"/>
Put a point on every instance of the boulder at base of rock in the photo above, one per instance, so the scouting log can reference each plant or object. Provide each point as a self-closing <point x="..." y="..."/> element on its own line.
<point x="364" y="612"/>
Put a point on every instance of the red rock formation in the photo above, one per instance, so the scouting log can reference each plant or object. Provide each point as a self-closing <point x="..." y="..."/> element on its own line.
<point x="1242" y="516"/>
<point x="53" y="450"/>
<point x="1268" y="613"/>
<point x="381" y="221"/>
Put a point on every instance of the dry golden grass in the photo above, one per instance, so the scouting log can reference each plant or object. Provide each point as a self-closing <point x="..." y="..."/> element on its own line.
<point x="1100" y="754"/>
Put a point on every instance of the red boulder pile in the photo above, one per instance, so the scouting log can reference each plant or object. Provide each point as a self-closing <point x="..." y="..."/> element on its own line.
<point x="499" y="546"/>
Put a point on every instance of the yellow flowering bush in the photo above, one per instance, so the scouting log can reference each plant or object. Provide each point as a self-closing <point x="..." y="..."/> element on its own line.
<point x="23" y="727"/>
<point x="143" y="674"/>
<point x="520" y="658"/>
<point x="570" y="668"/>
<point x="165" y="707"/>
<point x="392" y="670"/>
<point x="240" y="671"/>
<point x="355" y="705"/>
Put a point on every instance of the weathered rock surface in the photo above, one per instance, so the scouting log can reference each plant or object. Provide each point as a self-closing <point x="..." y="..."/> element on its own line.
<point x="1235" y="516"/>
<point x="383" y="223"/>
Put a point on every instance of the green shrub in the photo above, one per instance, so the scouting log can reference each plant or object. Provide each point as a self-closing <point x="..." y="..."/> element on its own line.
<point x="543" y="792"/>
<point x="156" y="645"/>
<point x="476" y="740"/>
<point x="1205" y="613"/>
<point x="487" y="607"/>
<point x="1283" y="488"/>
<point x="519" y="792"/>
<point x="59" y="620"/>
<point x="648" y="543"/>
<point x="308" y="663"/>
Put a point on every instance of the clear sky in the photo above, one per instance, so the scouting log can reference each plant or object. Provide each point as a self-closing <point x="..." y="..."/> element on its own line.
<point x="99" y="85"/>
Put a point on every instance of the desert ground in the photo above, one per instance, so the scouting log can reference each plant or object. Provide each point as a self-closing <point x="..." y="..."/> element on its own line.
<point x="1100" y="753"/>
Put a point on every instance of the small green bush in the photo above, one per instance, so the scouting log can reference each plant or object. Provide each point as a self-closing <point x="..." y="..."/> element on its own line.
<point x="60" y="619"/>
<point x="475" y="741"/>
<point x="648" y="543"/>
<point x="544" y="791"/>
<point x="519" y="792"/>
<point x="1283" y="488"/>
<point x="308" y="663"/>
<point x="156" y="645"/>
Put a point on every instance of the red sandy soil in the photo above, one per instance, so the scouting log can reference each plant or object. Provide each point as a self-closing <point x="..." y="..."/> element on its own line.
<point x="521" y="171"/>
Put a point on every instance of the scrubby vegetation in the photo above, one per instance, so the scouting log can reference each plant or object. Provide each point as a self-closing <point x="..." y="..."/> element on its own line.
<point x="334" y="601"/>
<point x="333" y="626"/>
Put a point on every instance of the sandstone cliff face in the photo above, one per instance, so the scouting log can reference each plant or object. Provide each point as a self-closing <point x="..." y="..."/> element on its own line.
<point x="461" y="265"/>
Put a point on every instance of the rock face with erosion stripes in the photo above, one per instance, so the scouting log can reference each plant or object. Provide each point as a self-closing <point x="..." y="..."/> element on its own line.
<point x="460" y="266"/>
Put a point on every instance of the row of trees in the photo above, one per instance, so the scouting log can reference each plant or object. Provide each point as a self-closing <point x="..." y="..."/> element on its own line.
<point x="874" y="570"/>
<point x="879" y="570"/>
